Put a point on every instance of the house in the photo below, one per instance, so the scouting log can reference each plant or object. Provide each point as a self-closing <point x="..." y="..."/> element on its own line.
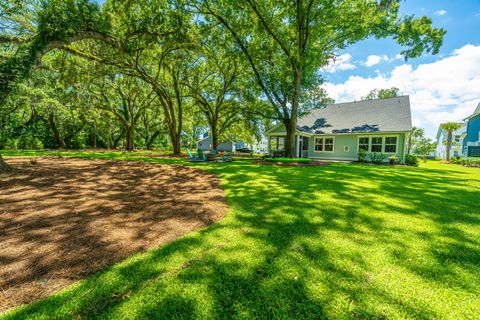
<point x="339" y="131"/>
<point x="230" y="145"/>
<point x="457" y="142"/>
<point x="205" y="144"/>
<point x="471" y="142"/>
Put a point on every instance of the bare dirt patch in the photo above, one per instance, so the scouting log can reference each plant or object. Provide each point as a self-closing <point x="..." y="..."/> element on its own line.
<point x="63" y="218"/>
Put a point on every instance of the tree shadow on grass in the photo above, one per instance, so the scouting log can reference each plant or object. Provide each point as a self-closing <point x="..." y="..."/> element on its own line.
<point x="316" y="242"/>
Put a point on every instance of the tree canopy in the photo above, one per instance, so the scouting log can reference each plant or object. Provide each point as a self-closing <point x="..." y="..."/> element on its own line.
<point x="158" y="73"/>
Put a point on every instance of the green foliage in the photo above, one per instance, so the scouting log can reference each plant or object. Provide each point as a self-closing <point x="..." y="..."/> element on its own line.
<point x="58" y="22"/>
<point x="411" y="160"/>
<point x="470" y="162"/>
<point x="381" y="94"/>
<point x="362" y="155"/>
<point x="289" y="160"/>
<point x="318" y="242"/>
<point x="424" y="146"/>
<point x="377" y="157"/>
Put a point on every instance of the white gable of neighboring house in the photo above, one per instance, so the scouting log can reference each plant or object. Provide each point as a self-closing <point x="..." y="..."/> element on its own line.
<point x="457" y="142"/>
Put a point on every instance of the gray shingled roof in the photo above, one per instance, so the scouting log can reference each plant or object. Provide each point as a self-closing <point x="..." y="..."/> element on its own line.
<point x="380" y="115"/>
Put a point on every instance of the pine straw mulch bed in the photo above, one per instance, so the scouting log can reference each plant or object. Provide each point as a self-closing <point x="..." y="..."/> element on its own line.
<point x="63" y="219"/>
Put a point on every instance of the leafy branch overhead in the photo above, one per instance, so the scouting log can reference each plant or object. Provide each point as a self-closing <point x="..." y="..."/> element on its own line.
<point x="219" y="62"/>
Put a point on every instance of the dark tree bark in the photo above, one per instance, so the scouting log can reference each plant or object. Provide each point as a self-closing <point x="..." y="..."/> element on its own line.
<point x="129" y="134"/>
<point x="56" y="132"/>
<point x="4" y="167"/>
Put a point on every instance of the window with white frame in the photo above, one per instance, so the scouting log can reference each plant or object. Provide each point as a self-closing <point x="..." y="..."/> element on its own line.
<point x="324" y="144"/>
<point x="277" y="143"/>
<point x="363" y="143"/>
<point x="390" y="144"/>
<point x="378" y="144"/>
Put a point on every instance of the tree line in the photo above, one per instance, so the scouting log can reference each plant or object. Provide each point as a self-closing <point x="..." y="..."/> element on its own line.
<point x="157" y="72"/>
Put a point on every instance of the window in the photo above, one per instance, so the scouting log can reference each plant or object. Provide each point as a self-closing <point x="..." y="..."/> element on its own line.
<point x="324" y="144"/>
<point x="346" y="149"/>
<point x="329" y="144"/>
<point x="277" y="143"/>
<point x="391" y="144"/>
<point x="281" y="143"/>
<point x="363" y="144"/>
<point x="376" y="145"/>
<point x="318" y="144"/>
<point x="457" y="138"/>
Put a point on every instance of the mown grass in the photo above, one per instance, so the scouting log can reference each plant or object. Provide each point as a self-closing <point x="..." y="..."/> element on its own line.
<point x="289" y="160"/>
<point x="340" y="241"/>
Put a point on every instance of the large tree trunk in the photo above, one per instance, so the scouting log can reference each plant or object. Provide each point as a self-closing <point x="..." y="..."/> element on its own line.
<point x="149" y="141"/>
<point x="117" y="141"/>
<point x="449" y="145"/>
<point x="214" y="134"/>
<point x="409" y="148"/>
<point x="56" y="132"/>
<point x="4" y="167"/>
<point x="129" y="132"/>
<point x="291" y="124"/>
<point x="175" y="137"/>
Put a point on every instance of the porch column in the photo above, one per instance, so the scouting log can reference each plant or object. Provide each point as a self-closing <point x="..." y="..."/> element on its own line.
<point x="269" y="145"/>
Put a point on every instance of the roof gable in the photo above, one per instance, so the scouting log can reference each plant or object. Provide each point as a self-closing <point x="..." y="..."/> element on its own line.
<point x="380" y="115"/>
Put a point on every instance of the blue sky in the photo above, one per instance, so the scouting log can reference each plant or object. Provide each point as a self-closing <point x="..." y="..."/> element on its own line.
<point x="442" y="88"/>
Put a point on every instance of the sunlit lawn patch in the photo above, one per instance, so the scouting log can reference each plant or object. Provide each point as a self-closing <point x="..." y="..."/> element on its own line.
<point x="336" y="241"/>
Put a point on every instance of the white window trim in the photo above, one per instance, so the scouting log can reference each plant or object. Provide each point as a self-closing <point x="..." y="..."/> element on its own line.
<point x="324" y="137"/>
<point x="383" y="142"/>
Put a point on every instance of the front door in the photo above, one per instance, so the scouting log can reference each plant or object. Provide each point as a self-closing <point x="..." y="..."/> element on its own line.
<point x="304" y="147"/>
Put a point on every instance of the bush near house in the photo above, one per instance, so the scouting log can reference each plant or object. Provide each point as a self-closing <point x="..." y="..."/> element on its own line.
<point x="362" y="155"/>
<point x="411" y="160"/>
<point x="377" y="158"/>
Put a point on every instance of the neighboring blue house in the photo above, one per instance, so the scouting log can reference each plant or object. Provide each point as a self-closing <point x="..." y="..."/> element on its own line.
<point x="471" y="142"/>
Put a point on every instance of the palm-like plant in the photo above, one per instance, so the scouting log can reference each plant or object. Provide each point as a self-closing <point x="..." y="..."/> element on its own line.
<point x="450" y="127"/>
<point x="415" y="134"/>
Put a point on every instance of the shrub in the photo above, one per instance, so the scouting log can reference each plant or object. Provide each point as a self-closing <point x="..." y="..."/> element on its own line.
<point x="471" y="162"/>
<point x="411" y="160"/>
<point x="457" y="160"/>
<point x="392" y="159"/>
<point x="362" y="155"/>
<point x="377" y="158"/>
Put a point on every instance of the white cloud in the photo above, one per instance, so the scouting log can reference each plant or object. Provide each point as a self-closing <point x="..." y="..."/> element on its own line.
<point x="374" y="59"/>
<point x="440" y="12"/>
<point x="444" y="90"/>
<point x="340" y="63"/>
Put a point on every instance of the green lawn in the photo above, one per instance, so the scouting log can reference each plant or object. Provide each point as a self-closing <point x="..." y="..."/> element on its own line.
<point x="340" y="241"/>
<point x="289" y="160"/>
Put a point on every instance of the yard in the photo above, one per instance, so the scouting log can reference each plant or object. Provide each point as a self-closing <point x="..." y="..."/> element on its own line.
<point x="331" y="241"/>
